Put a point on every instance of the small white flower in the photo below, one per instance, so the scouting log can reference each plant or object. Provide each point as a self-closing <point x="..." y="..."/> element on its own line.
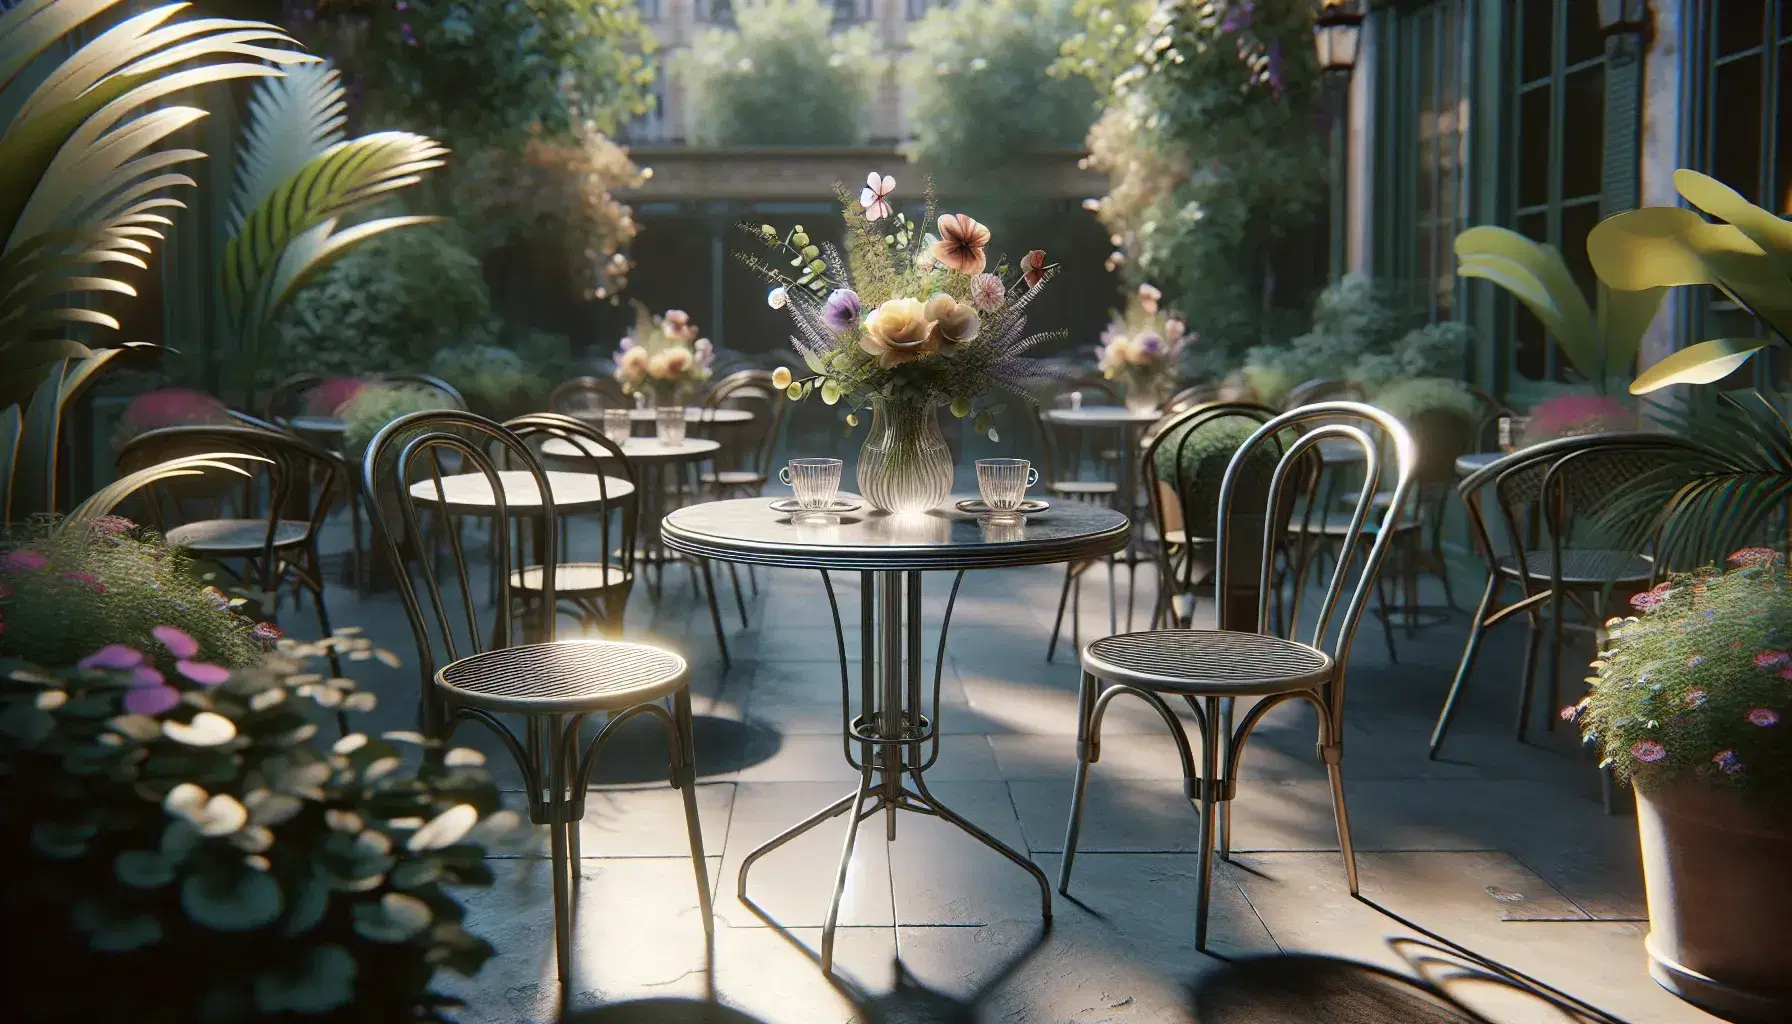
<point x="776" y="298"/>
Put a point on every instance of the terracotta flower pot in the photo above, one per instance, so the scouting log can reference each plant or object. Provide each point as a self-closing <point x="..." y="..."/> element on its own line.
<point x="1717" y="866"/>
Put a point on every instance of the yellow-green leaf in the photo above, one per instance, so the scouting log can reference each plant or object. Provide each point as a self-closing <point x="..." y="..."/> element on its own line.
<point x="1703" y="363"/>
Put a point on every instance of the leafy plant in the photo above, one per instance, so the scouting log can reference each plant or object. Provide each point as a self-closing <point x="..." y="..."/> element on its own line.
<point x="1601" y="344"/>
<point x="1748" y="257"/>
<point x="83" y="177"/>
<point x="496" y="381"/>
<point x="376" y="405"/>
<point x="1204" y="456"/>
<point x="983" y="95"/>
<point x="184" y="847"/>
<point x="1406" y="398"/>
<point x="782" y="78"/>
<point x="1696" y="687"/>
<point x="298" y="176"/>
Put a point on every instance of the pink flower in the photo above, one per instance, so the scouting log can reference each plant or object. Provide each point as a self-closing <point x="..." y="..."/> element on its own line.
<point x="1751" y="556"/>
<point x="1573" y="711"/>
<point x="202" y="672"/>
<point x="332" y="394"/>
<point x="170" y="407"/>
<point x="1651" y="599"/>
<point x="1648" y="751"/>
<point x="146" y="675"/>
<point x="112" y="656"/>
<point x="1571" y="415"/>
<point x="987" y="292"/>
<point x="1149" y="297"/>
<point x="1763" y="717"/>
<point x="151" y="700"/>
<point x="84" y="577"/>
<point x="1694" y="698"/>
<point x="961" y="242"/>
<point x="113" y="526"/>
<point x="1772" y="659"/>
<point x="24" y="558"/>
<point x="1032" y="267"/>
<point x="266" y="632"/>
<point x="1727" y="761"/>
<point x="176" y="640"/>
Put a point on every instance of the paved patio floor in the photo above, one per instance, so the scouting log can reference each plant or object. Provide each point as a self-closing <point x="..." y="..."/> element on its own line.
<point x="1500" y="847"/>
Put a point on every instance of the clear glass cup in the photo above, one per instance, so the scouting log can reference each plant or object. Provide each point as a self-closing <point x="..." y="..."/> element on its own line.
<point x="815" y="482"/>
<point x="668" y="425"/>
<point x="1003" y="484"/>
<point x="616" y="425"/>
<point x="1512" y="430"/>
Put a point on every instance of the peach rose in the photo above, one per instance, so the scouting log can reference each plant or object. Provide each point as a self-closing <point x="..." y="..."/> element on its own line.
<point x="633" y="364"/>
<point x="669" y="363"/>
<point x="898" y="331"/>
<point x="953" y="321"/>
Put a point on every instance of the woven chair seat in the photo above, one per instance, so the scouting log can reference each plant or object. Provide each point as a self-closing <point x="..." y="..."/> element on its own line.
<point x="1083" y="488"/>
<point x="1583" y="567"/>
<point x="1207" y="661"/>
<point x="235" y="536"/>
<point x="564" y="678"/>
<point x="735" y="478"/>
<point x="574" y="578"/>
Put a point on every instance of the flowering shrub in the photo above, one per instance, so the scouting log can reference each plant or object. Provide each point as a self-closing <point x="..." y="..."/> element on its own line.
<point x="65" y="592"/>
<point x="663" y="356"/>
<point x="374" y="407"/>
<point x="169" y="407"/>
<point x="1700" y="684"/>
<point x="326" y="398"/>
<point x="199" y="857"/>
<point x="496" y="381"/>
<point x="1574" y="415"/>
<point x="1143" y="346"/>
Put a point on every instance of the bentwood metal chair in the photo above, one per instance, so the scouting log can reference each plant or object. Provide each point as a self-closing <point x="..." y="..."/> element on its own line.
<point x="588" y="396"/>
<point x="1063" y="478"/>
<point x="1212" y="668"/>
<point x="745" y="468"/>
<point x="1559" y="482"/>
<point x="470" y="673"/>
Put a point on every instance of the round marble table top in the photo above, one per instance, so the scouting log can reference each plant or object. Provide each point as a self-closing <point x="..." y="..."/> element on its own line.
<point x="692" y="414"/>
<point x="471" y="493"/>
<point x="1103" y="416"/>
<point x="635" y="449"/>
<point x="1467" y="465"/>
<point x="748" y="530"/>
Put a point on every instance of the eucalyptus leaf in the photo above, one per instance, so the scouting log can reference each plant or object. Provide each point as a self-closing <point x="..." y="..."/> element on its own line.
<point x="321" y="981"/>
<point x="231" y="899"/>
<point x="143" y="869"/>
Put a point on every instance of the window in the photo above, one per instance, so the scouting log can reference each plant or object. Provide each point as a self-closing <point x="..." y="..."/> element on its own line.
<point x="850" y="12"/>
<point x="1558" y="149"/>
<point x="716" y="12"/>
<point x="650" y="127"/>
<point x="650" y="9"/>
<point x="1426" y="86"/>
<point x="1742" y="132"/>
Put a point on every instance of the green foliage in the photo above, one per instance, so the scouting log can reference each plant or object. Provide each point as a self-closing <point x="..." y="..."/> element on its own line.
<point x="1208" y="141"/>
<point x="983" y="97"/>
<point x="1696" y="687"/>
<point x="108" y="581"/>
<point x="377" y="405"/>
<point x="482" y="73"/>
<point x="387" y="306"/>
<point x="199" y="856"/>
<point x="1363" y="332"/>
<point x="782" y="79"/>
<point x="1409" y="397"/>
<point x="497" y="382"/>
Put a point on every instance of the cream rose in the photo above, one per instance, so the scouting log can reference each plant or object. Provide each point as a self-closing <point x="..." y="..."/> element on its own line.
<point x="899" y="331"/>
<point x="954" y="322"/>
<point x="633" y="363"/>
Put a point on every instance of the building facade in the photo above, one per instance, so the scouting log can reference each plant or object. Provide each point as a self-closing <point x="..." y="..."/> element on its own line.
<point x="1525" y="114"/>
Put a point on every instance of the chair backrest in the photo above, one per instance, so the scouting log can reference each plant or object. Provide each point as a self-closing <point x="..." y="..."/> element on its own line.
<point x="603" y="459"/>
<point x="583" y="396"/>
<point x="280" y="488"/>
<point x="426" y="380"/>
<point x="1374" y="432"/>
<point x="1322" y="390"/>
<point x="285" y="398"/>
<point x="407" y="452"/>
<point x="754" y="392"/>
<point x="1190" y="397"/>
<point x="1097" y="390"/>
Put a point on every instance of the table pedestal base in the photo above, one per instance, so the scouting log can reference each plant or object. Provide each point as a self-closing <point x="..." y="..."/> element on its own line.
<point x="890" y="734"/>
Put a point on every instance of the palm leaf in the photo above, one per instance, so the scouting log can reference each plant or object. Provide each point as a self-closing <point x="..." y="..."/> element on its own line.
<point x="291" y="120"/>
<point x="1623" y="317"/>
<point x="108" y="498"/>
<point x="1704" y="363"/>
<point x="1536" y="275"/>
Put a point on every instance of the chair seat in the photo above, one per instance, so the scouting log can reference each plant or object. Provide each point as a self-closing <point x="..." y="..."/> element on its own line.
<point x="1085" y="488"/>
<point x="735" y="478"/>
<point x="235" y="536"/>
<point x="564" y="678"/>
<point x="574" y="577"/>
<point x="1584" y="567"/>
<point x="1207" y="661"/>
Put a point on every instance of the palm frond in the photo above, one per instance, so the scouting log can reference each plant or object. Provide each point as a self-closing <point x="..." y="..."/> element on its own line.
<point x="291" y="120"/>
<point x="108" y="498"/>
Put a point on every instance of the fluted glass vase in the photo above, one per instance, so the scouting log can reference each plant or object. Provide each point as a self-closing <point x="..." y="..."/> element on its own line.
<point x="1145" y="394"/>
<point x="905" y="465"/>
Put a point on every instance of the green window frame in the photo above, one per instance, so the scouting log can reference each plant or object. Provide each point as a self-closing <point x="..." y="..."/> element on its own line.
<point x="1739" y="102"/>
<point x="1556" y="118"/>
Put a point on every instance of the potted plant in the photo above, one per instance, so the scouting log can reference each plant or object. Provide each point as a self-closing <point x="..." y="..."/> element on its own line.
<point x="1142" y="348"/>
<point x="905" y="322"/>
<point x="1691" y="703"/>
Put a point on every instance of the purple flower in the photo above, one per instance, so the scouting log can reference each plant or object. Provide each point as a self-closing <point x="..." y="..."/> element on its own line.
<point x="151" y="700"/>
<point x="113" y="656"/>
<point x="202" y="672"/>
<point x="1150" y="343"/>
<point x="1695" y="661"/>
<point x="841" y="311"/>
<point x="24" y="558"/>
<point x="1763" y="717"/>
<point x="1238" y="17"/>
<point x="1648" y="751"/>
<point x="1727" y="761"/>
<point x="1772" y="659"/>
<point x="113" y="526"/>
<point x="146" y="675"/>
<point x="625" y="344"/>
<point x="176" y="640"/>
<point x="1694" y="697"/>
<point x="1274" y="75"/>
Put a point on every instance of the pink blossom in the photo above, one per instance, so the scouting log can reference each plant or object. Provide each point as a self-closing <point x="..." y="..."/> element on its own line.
<point x="113" y="526"/>
<point x="178" y="642"/>
<point x="84" y="577"/>
<point x="987" y="292"/>
<point x="202" y="672"/>
<point x="171" y="407"/>
<point x="1763" y="717"/>
<point x="146" y="675"/>
<point x="1651" y="599"/>
<point x="1571" y="415"/>
<point x="266" y="632"/>
<point x="1727" y="761"/>
<point x="332" y="394"/>
<point x="1648" y="751"/>
<point x="24" y="558"/>
<point x="1772" y="659"/>
<point x="112" y="656"/>
<point x="1694" y="697"/>
<point x="1751" y="556"/>
<point x="151" y="700"/>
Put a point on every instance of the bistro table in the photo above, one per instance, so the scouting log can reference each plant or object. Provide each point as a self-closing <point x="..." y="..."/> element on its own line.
<point x="1468" y="465"/>
<point x="329" y="429"/>
<point x="1132" y="424"/>
<point x="470" y="494"/>
<point x="890" y="553"/>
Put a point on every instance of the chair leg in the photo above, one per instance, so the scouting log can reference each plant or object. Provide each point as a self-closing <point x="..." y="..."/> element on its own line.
<point x="684" y="776"/>
<point x="1113" y="602"/>
<point x="1530" y="676"/>
<point x="1387" y="620"/>
<point x="1058" y="623"/>
<point x="1088" y="751"/>
<point x="1410" y="579"/>
<point x="715" y="612"/>
<point x="559" y="847"/>
<point x="753" y="579"/>
<point x="1210" y="778"/>
<point x="1556" y="610"/>
<point x="740" y="599"/>
<point x="1222" y="737"/>
<point x="1076" y="612"/>
<point x="1477" y="630"/>
<point x="1334" y="774"/>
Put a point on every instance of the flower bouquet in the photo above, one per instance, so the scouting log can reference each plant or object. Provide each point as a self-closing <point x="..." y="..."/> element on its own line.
<point x="905" y="321"/>
<point x="1142" y="348"/>
<point x="663" y="358"/>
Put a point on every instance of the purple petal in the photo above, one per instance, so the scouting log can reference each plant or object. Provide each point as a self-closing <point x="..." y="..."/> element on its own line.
<point x="151" y="700"/>
<point x="176" y="640"/>
<point x="146" y="675"/>
<point x="203" y="673"/>
<point x="114" y="656"/>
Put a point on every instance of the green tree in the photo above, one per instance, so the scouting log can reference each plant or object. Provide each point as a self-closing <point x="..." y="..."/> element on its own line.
<point x="781" y="79"/>
<point x="983" y="95"/>
<point x="1215" y="167"/>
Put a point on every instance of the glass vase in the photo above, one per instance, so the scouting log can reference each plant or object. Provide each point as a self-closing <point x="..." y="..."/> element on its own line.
<point x="905" y="465"/>
<point x="1145" y="396"/>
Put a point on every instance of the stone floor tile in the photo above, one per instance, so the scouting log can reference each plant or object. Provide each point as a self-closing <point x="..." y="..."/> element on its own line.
<point x="943" y="876"/>
<point x="793" y="883"/>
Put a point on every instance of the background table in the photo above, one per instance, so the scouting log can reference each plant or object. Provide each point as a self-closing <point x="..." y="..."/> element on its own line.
<point x="1132" y="425"/>
<point x="890" y="552"/>
<point x="1473" y="462"/>
<point x="471" y="493"/>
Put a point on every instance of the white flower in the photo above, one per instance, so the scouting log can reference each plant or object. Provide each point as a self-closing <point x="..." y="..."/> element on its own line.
<point x="776" y="298"/>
